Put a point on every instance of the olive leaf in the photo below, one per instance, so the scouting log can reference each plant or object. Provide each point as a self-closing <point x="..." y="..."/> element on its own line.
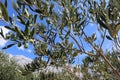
<point x="1" y="33"/>
<point x="9" y="28"/>
<point x="32" y="32"/>
<point x="0" y="14"/>
<point x="93" y="37"/>
<point x="21" y="20"/>
<point x="108" y="37"/>
<point x="27" y="31"/>
<point x="20" y="32"/>
<point x="51" y="8"/>
<point x="4" y="12"/>
<point x="27" y="13"/>
<point x="35" y="17"/>
<point x="8" y="46"/>
<point x="117" y="28"/>
<point x="30" y="2"/>
<point x="5" y="3"/>
<point x="15" y="6"/>
<point x="101" y="23"/>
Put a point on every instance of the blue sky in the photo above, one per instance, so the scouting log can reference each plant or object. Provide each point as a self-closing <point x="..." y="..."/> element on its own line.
<point x="91" y="28"/>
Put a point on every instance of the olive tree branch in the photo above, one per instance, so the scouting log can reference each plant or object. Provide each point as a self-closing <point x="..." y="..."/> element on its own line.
<point x="101" y="54"/>
<point x="80" y="47"/>
<point x="107" y="61"/>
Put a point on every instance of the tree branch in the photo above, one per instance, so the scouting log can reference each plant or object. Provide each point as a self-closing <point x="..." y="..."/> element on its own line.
<point x="107" y="61"/>
<point x="80" y="47"/>
<point x="101" y="54"/>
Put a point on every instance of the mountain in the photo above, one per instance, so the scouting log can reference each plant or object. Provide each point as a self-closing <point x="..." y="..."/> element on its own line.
<point x="20" y="59"/>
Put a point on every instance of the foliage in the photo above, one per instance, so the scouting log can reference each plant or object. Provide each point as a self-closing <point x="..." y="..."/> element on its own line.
<point x="9" y="70"/>
<point x="42" y="28"/>
<point x="56" y="76"/>
<point x="57" y="30"/>
<point x="107" y="16"/>
<point x="98" y="69"/>
<point x="3" y="12"/>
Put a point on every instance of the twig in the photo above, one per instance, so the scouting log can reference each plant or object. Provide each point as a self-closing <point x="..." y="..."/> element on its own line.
<point x="73" y="37"/>
<point x="81" y="49"/>
<point x="103" y="40"/>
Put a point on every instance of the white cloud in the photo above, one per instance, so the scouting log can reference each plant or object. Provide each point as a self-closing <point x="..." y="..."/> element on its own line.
<point x="3" y="41"/>
<point x="29" y="50"/>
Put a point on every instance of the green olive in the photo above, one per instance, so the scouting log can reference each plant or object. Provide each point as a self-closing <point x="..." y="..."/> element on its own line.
<point x="19" y="44"/>
<point x="26" y="46"/>
<point x="31" y="41"/>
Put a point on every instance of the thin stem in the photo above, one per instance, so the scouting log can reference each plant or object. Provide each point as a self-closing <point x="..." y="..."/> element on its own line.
<point x="95" y="48"/>
<point x="80" y="47"/>
<point x="103" y="40"/>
